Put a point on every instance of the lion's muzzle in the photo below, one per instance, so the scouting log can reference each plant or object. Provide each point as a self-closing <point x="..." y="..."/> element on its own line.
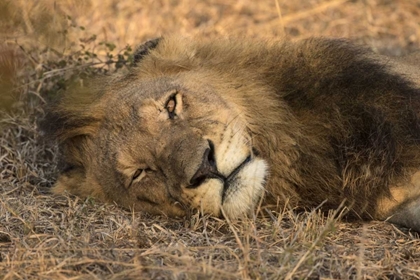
<point x="207" y="168"/>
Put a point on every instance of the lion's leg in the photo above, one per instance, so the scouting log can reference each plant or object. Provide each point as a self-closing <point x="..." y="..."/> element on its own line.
<point x="403" y="207"/>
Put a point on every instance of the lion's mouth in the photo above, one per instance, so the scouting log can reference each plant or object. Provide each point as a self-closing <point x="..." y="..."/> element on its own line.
<point x="232" y="195"/>
<point x="232" y="176"/>
<point x="215" y="174"/>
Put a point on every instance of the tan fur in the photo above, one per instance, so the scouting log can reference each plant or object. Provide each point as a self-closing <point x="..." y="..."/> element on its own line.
<point x="308" y="122"/>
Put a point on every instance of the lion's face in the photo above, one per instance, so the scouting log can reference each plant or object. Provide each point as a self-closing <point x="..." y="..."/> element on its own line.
<point x="166" y="145"/>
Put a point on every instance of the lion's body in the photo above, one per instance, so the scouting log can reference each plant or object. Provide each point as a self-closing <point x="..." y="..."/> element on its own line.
<point x="215" y="125"/>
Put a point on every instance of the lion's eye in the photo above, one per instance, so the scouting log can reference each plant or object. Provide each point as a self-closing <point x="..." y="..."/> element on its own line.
<point x="171" y="106"/>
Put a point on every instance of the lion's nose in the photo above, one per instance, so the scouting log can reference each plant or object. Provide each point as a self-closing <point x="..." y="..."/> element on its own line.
<point x="207" y="169"/>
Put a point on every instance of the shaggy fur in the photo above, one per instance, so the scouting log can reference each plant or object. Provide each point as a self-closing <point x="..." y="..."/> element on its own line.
<point x="215" y="125"/>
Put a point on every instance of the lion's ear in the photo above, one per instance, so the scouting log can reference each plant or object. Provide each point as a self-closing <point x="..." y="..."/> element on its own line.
<point x="77" y="113"/>
<point x="72" y="120"/>
<point x="142" y="50"/>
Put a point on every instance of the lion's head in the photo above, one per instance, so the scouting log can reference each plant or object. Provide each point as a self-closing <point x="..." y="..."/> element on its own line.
<point x="160" y="140"/>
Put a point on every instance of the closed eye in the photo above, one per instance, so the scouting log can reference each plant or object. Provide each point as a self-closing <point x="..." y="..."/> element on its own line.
<point x="140" y="174"/>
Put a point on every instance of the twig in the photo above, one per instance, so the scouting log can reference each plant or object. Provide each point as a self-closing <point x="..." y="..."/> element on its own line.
<point x="280" y="18"/>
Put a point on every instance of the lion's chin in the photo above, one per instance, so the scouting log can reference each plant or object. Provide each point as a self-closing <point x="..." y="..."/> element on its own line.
<point x="246" y="190"/>
<point x="239" y="199"/>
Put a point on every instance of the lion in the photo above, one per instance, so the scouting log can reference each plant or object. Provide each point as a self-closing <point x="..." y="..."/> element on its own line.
<point x="224" y="125"/>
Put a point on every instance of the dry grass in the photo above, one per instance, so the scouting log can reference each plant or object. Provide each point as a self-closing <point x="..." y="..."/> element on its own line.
<point x="45" y="237"/>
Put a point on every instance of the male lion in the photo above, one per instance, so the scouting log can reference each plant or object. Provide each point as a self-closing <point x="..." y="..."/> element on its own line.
<point x="222" y="125"/>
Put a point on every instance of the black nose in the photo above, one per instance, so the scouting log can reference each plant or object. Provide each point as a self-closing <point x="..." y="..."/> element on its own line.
<point x="207" y="169"/>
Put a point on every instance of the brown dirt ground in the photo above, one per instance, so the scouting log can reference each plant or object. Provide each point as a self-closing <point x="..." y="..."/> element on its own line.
<point x="45" y="237"/>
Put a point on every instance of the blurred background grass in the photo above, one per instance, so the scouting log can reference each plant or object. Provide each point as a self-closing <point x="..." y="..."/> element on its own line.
<point x="35" y="33"/>
<point x="130" y="22"/>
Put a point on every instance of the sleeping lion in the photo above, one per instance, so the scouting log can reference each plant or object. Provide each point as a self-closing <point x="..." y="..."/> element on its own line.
<point x="223" y="125"/>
